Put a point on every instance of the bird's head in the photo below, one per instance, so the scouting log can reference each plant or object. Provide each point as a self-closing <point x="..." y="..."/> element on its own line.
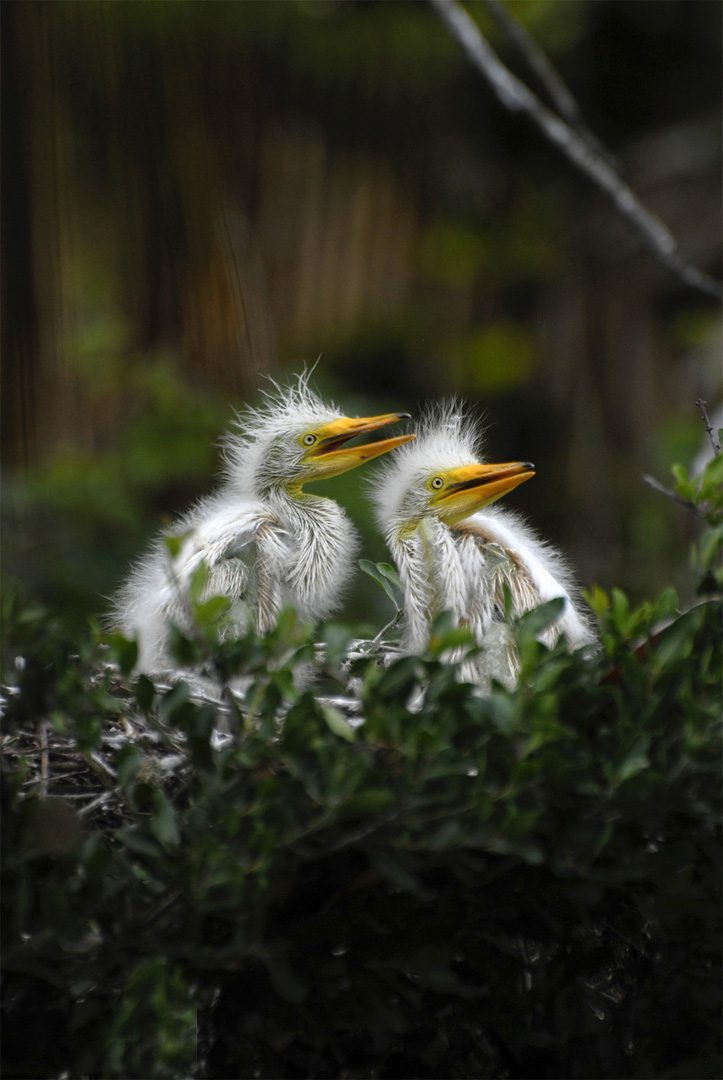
<point x="295" y="438"/>
<point x="441" y="475"/>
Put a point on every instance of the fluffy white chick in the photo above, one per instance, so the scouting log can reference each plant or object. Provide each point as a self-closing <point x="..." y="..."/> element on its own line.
<point x="454" y="551"/>
<point x="266" y="542"/>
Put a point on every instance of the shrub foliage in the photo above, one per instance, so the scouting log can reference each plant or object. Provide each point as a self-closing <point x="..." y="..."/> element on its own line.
<point x="251" y="883"/>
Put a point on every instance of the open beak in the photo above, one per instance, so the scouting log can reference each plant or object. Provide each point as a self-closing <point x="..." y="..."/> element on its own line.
<point x="332" y="457"/>
<point x="472" y="487"/>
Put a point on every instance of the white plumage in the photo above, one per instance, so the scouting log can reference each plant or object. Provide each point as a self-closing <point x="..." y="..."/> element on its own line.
<point x="455" y="552"/>
<point x="265" y="541"/>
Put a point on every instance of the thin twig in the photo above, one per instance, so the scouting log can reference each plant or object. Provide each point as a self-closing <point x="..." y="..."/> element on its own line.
<point x="673" y="496"/>
<point x="101" y="800"/>
<point x="358" y="834"/>
<point x="517" y="97"/>
<point x="559" y="94"/>
<point x="708" y="426"/>
<point x="160" y="910"/>
<point x="44" y="760"/>
<point x="385" y="629"/>
<point x="99" y="766"/>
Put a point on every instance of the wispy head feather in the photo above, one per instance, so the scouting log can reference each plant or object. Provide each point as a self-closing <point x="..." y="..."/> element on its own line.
<point x="447" y="437"/>
<point x="284" y="409"/>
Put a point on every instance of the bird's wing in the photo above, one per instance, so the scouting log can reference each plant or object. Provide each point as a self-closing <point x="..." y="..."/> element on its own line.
<point x="219" y="529"/>
<point x="228" y="537"/>
<point x="244" y="547"/>
<point x="532" y="570"/>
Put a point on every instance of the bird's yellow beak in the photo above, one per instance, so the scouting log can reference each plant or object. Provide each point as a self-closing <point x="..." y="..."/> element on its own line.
<point x="471" y="487"/>
<point x="329" y="456"/>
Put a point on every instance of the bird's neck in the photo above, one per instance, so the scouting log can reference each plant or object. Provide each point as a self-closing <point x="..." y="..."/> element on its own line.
<point x="321" y="544"/>
<point x="286" y="495"/>
<point x="429" y="572"/>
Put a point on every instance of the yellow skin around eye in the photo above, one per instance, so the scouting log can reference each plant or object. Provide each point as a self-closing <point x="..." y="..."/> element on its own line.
<point x="327" y="456"/>
<point x="469" y="488"/>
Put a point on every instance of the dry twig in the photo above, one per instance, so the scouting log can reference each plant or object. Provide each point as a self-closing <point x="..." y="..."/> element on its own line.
<point x="708" y="426"/>
<point x="44" y="760"/>
<point x="673" y="496"/>
<point x="517" y="97"/>
<point x="556" y="88"/>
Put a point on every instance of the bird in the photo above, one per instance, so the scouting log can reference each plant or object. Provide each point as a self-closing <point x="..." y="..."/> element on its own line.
<point x="454" y="551"/>
<point x="265" y="542"/>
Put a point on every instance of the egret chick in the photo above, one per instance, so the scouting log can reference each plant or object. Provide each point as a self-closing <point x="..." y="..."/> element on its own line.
<point x="455" y="552"/>
<point x="266" y="542"/>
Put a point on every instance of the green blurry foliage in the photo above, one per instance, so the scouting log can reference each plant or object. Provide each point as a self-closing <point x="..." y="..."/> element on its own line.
<point x="81" y="516"/>
<point x="521" y="884"/>
<point x="705" y="489"/>
<point x="496" y="358"/>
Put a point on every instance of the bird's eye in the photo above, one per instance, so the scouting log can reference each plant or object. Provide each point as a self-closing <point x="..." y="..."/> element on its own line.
<point x="309" y="440"/>
<point x="437" y="483"/>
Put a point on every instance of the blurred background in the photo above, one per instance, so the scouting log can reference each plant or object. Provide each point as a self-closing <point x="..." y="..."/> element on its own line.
<point x="196" y="194"/>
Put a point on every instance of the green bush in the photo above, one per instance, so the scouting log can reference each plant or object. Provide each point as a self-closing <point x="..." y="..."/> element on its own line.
<point x="207" y="883"/>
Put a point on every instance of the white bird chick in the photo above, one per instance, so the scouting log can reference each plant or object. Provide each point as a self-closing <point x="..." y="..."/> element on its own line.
<point x="266" y="543"/>
<point x="455" y="553"/>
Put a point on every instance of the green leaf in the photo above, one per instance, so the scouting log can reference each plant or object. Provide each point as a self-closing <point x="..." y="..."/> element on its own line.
<point x="173" y="544"/>
<point x="398" y="679"/>
<point x="620" y="612"/>
<point x="635" y="762"/>
<point x="710" y="547"/>
<point x="128" y="764"/>
<point x="597" y="598"/>
<point x="173" y="700"/>
<point x="371" y="801"/>
<point x="208" y="613"/>
<point x="337" y="723"/>
<point x="680" y="474"/>
<point x="382" y="578"/>
<point x="163" y="822"/>
<point x="452" y="638"/>
<point x="181" y="648"/>
<point x="666" y="604"/>
<point x="685" y="486"/>
<point x="532" y="623"/>
<point x="138" y="840"/>
<point x="145" y="692"/>
<point x="124" y="651"/>
<point x="337" y="639"/>
<point x="197" y="583"/>
<point x="711" y="478"/>
<point x="677" y="640"/>
<point x="390" y="573"/>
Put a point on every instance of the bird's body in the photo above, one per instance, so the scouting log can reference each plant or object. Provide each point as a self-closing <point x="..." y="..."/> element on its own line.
<point x="455" y="553"/>
<point x="264" y="541"/>
<point x="260" y="556"/>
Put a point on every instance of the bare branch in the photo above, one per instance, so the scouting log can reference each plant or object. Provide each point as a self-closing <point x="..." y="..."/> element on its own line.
<point x="517" y="97"/>
<point x="559" y="94"/>
<point x="44" y="760"/>
<point x="673" y="496"/>
<point x="708" y="426"/>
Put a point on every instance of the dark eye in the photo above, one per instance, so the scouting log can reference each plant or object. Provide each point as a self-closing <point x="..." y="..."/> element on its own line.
<point x="438" y="483"/>
<point x="309" y="440"/>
